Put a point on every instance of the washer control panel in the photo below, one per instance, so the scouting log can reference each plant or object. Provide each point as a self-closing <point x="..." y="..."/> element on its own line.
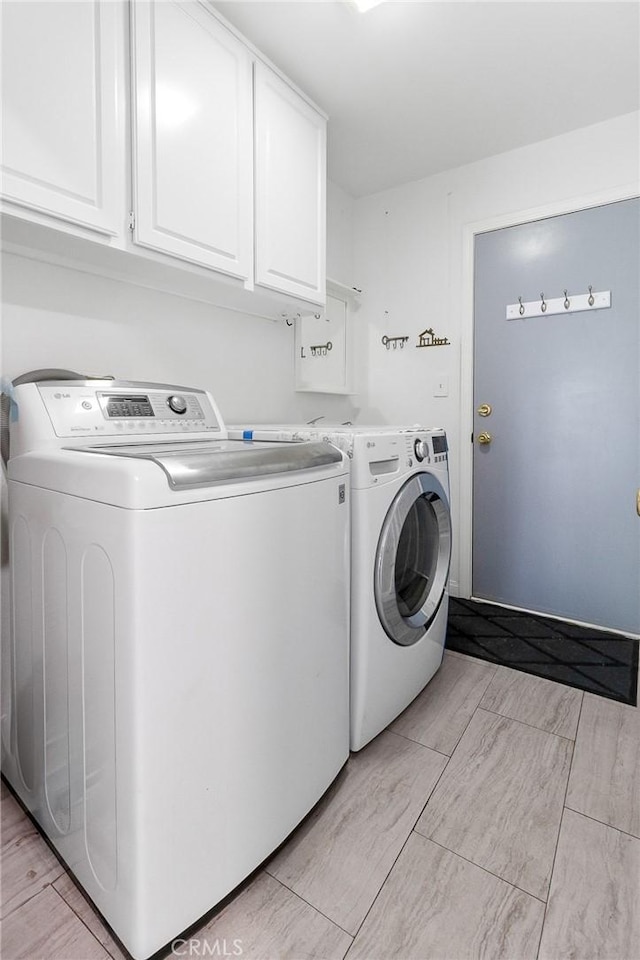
<point x="92" y="410"/>
<point x="157" y="405"/>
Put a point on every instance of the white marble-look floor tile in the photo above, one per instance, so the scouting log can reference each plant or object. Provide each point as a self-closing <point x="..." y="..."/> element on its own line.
<point x="46" y="928"/>
<point x="541" y="703"/>
<point x="338" y="859"/>
<point x="593" y="903"/>
<point x="499" y="802"/>
<point x="264" y="922"/>
<point x="28" y="865"/>
<point x="438" y="717"/>
<point x="605" y="773"/>
<point x="464" y="656"/>
<point x="436" y="906"/>
<point x="89" y="915"/>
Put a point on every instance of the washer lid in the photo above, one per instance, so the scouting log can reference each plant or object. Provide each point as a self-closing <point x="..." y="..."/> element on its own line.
<point x="202" y="463"/>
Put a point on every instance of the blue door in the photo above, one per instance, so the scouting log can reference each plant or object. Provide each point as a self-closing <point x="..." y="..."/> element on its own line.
<point x="556" y="527"/>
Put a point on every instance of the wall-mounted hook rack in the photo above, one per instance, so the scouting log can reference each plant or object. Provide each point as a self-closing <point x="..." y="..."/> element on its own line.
<point x="565" y="304"/>
<point x="289" y="318"/>
<point x="388" y="341"/>
<point x="318" y="349"/>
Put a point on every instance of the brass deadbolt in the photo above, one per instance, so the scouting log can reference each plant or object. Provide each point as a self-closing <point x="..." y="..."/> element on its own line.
<point x="484" y="410"/>
<point x="484" y="439"/>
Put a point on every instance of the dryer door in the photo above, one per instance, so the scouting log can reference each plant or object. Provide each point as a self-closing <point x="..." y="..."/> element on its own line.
<point x="412" y="559"/>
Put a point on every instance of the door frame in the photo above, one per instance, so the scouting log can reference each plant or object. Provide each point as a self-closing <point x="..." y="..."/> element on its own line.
<point x="470" y="230"/>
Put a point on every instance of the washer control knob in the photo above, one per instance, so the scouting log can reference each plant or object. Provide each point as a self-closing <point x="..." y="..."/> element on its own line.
<point x="421" y="450"/>
<point x="177" y="404"/>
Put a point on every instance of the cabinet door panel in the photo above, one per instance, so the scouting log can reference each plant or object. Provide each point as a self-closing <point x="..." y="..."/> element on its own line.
<point x="61" y="141"/>
<point x="193" y="171"/>
<point x="290" y="189"/>
<point x="323" y="349"/>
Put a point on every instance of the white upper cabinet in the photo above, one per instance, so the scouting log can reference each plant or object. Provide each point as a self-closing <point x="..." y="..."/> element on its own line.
<point x="227" y="161"/>
<point x="62" y="146"/>
<point x="290" y="171"/>
<point x="193" y="171"/>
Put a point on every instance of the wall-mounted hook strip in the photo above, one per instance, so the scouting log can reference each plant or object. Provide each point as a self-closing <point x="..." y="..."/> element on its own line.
<point x="565" y="304"/>
<point x="289" y="318"/>
<point x="388" y="341"/>
<point x="321" y="349"/>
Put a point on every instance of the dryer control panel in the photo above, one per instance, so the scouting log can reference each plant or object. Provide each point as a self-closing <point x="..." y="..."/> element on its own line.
<point x="428" y="449"/>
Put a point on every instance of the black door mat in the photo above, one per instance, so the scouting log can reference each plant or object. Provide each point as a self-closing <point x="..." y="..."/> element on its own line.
<point x="590" y="659"/>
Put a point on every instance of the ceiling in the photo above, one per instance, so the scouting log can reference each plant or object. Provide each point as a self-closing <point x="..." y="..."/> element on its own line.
<point x="414" y="88"/>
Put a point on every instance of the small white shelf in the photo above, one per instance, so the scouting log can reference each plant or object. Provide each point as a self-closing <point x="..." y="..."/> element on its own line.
<point x="338" y="289"/>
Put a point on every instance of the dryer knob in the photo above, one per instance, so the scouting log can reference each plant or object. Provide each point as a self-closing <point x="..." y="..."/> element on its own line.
<point x="421" y="450"/>
<point x="177" y="404"/>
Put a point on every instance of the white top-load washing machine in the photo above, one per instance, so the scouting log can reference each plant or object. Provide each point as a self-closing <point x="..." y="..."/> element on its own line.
<point x="400" y="556"/>
<point x="180" y="643"/>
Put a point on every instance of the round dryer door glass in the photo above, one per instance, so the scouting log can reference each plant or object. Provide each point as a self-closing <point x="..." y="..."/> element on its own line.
<point x="412" y="560"/>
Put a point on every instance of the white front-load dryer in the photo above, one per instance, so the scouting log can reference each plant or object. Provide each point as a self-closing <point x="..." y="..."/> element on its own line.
<point x="401" y="543"/>
<point x="400" y="557"/>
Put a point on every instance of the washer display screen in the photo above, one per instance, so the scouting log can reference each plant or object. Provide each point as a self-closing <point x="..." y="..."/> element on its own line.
<point x="135" y="406"/>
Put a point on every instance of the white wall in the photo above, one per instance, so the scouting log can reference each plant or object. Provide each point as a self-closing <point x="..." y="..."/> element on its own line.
<point x="340" y="206"/>
<point x="409" y="259"/>
<point x="57" y="316"/>
<point x="339" y="268"/>
<point x="54" y="316"/>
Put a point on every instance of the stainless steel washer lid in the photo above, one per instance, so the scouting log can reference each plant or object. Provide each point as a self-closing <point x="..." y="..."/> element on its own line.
<point x="202" y="463"/>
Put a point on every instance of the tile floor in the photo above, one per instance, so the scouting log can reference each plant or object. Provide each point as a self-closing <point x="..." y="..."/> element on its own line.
<point x="588" y="658"/>
<point x="497" y="817"/>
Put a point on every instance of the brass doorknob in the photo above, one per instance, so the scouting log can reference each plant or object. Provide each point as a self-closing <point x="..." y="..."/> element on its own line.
<point x="484" y="439"/>
<point x="484" y="410"/>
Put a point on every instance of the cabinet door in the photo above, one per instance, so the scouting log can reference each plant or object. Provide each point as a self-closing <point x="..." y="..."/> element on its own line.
<point x="62" y="148"/>
<point x="323" y="349"/>
<point x="290" y="145"/>
<point x="192" y="136"/>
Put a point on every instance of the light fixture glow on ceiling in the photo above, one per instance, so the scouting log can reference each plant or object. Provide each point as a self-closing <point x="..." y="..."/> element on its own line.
<point x="364" y="5"/>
